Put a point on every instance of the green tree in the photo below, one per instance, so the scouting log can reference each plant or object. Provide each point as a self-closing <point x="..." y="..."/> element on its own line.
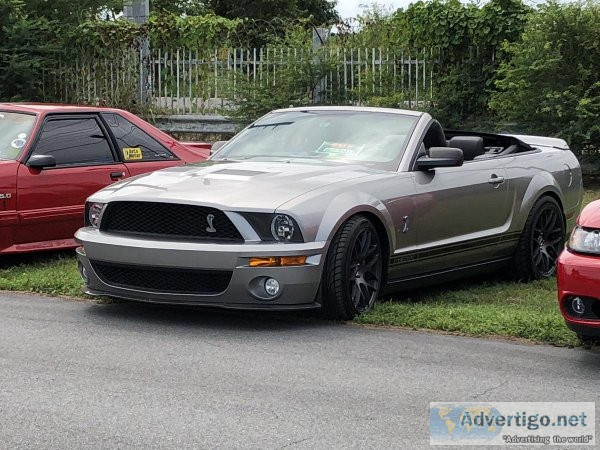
<point x="70" y="11"/>
<point x="551" y="82"/>
<point x="178" y="7"/>
<point x="321" y="10"/>
<point x="26" y="46"/>
<point x="467" y="40"/>
<point x="10" y="10"/>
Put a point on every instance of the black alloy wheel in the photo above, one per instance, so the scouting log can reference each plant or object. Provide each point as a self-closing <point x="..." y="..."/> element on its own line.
<point x="541" y="241"/>
<point x="353" y="272"/>
<point x="364" y="273"/>
<point x="547" y="240"/>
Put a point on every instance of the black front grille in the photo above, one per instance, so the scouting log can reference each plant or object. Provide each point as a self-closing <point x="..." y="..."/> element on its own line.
<point x="161" y="279"/>
<point x="172" y="220"/>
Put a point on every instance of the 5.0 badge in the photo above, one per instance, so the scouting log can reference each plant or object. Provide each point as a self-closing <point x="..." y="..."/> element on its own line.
<point x="7" y="195"/>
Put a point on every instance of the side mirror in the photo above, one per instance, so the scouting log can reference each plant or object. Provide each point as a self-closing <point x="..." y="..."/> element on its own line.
<point x="41" y="161"/>
<point x="441" y="157"/>
<point x="216" y="146"/>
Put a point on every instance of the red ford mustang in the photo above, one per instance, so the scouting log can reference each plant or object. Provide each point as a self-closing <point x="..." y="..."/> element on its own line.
<point x="579" y="275"/>
<point x="52" y="157"/>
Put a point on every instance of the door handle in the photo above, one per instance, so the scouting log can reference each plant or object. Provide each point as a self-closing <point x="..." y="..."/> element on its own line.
<point x="496" y="180"/>
<point x="117" y="175"/>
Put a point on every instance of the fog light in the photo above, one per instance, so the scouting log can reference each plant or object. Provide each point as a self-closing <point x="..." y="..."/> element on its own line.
<point x="271" y="286"/>
<point x="578" y="306"/>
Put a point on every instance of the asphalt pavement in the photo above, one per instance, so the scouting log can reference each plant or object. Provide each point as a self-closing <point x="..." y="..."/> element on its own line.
<point x="77" y="374"/>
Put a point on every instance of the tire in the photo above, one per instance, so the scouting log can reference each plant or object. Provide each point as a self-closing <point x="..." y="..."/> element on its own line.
<point x="353" y="272"/>
<point x="541" y="241"/>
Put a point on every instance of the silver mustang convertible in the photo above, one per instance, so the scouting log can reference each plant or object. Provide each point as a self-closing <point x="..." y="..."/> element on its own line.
<point x="329" y="207"/>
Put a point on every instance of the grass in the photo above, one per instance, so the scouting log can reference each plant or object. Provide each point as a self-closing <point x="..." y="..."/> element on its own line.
<point x="44" y="273"/>
<point x="480" y="307"/>
<point x="490" y="306"/>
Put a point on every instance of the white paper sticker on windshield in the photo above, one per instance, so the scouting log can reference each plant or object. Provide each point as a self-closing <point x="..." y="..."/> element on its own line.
<point x="18" y="143"/>
<point x="22" y="136"/>
<point x="340" y="148"/>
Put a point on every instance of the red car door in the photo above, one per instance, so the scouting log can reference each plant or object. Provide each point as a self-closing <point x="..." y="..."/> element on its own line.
<point x="50" y="200"/>
<point x="15" y="131"/>
<point x="136" y="148"/>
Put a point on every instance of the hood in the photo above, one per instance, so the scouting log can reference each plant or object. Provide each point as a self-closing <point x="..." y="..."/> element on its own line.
<point x="232" y="185"/>
<point x="590" y="216"/>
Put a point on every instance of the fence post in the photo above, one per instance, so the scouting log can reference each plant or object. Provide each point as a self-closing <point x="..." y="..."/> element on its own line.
<point x="319" y="38"/>
<point x="138" y="12"/>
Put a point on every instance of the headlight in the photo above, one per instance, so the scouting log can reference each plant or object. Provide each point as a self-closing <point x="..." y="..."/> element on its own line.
<point x="282" y="227"/>
<point x="93" y="214"/>
<point x="585" y="241"/>
<point x="275" y="227"/>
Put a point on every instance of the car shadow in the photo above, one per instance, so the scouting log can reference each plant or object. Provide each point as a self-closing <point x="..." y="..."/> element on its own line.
<point x="131" y="311"/>
<point x="125" y="314"/>
<point x="589" y="358"/>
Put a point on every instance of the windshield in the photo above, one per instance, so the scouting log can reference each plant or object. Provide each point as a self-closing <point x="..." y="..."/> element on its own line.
<point x="370" y="138"/>
<point x="15" y="132"/>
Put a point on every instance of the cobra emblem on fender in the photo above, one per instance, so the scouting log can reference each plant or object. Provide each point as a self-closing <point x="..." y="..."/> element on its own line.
<point x="210" y="227"/>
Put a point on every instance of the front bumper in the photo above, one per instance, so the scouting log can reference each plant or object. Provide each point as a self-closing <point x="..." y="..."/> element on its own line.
<point x="299" y="285"/>
<point x="578" y="275"/>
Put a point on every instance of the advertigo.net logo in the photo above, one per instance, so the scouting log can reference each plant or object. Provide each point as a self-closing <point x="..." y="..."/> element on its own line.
<point x="503" y="423"/>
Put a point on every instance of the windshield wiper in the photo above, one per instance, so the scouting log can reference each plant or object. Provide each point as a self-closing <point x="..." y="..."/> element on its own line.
<point x="243" y="158"/>
<point x="266" y="125"/>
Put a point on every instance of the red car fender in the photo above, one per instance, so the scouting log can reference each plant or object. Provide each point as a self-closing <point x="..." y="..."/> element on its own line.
<point x="8" y="202"/>
<point x="578" y="275"/>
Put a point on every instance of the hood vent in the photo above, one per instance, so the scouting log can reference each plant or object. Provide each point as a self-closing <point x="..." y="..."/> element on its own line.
<point x="239" y="172"/>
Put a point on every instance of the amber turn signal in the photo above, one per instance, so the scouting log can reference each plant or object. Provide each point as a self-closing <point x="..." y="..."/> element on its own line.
<point x="264" y="262"/>
<point x="277" y="261"/>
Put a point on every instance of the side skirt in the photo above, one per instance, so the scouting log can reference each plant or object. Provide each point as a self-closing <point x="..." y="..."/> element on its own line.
<point x="455" y="273"/>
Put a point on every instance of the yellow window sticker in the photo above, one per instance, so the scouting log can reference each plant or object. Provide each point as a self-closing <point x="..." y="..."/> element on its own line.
<point x="132" y="153"/>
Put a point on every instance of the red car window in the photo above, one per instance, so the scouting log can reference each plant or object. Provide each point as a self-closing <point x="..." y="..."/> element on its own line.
<point x="15" y="131"/>
<point x="134" y="144"/>
<point x="74" y="141"/>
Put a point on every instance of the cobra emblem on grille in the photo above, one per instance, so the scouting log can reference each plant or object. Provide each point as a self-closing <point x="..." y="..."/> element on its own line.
<point x="210" y="228"/>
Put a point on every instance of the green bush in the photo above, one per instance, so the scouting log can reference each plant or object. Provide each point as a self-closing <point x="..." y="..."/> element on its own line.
<point x="26" y="47"/>
<point x="467" y="41"/>
<point x="294" y="84"/>
<point x="550" y="83"/>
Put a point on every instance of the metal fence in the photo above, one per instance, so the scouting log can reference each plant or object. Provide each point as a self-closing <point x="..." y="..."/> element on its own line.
<point x="203" y="81"/>
<point x="104" y="80"/>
